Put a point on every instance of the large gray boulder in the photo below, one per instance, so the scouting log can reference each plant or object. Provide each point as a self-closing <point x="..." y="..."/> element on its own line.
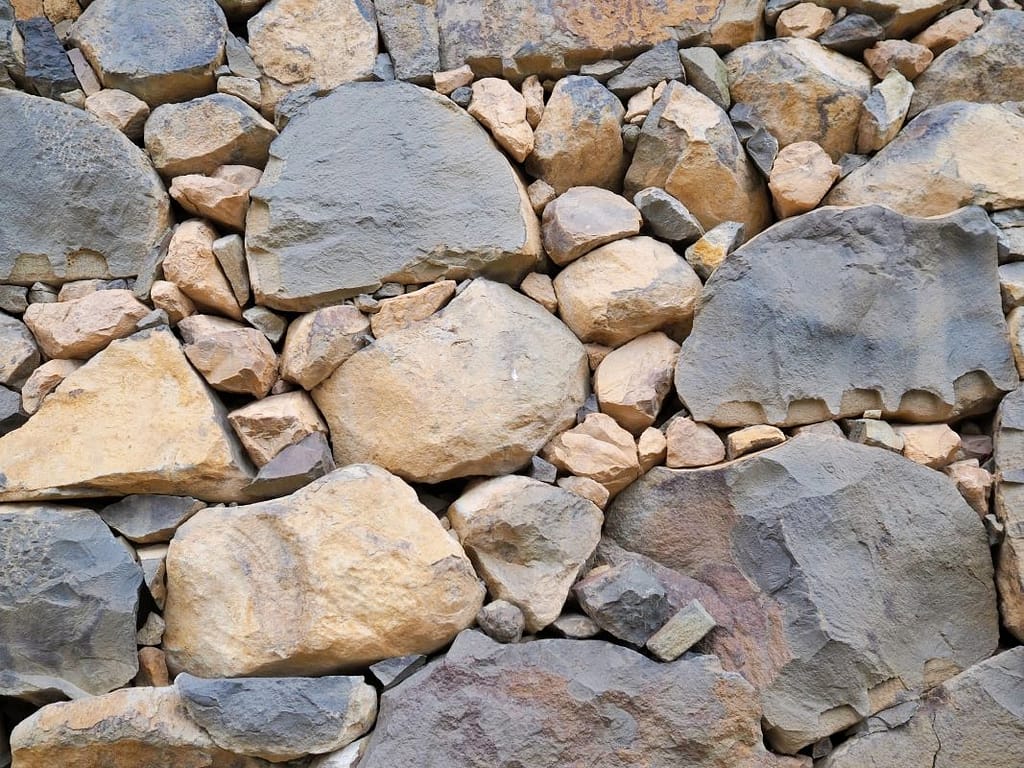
<point x="862" y="574"/>
<point x="68" y="602"/>
<point x="77" y="199"/>
<point x="381" y="182"/>
<point x="836" y="312"/>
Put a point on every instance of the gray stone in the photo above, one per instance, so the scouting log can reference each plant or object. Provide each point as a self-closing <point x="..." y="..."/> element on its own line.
<point x="48" y="71"/>
<point x="370" y="219"/>
<point x="1011" y="245"/>
<point x="852" y="34"/>
<point x="149" y="519"/>
<point x="13" y="299"/>
<point x="884" y="112"/>
<point x="280" y="718"/>
<point x="1008" y="219"/>
<point x="11" y="414"/>
<point x="12" y="56"/>
<point x="745" y="120"/>
<point x="383" y="67"/>
<point x="813" y="547"/>
<point x="271" y="324"/>
<point x="296" y="465"/>
<point x="874" y="432"/>
<point x="154" y="51"/>
<point x="501" y="621"/>
<point x="41" y="293"/>
<point x="763" y="148"/>
<point x="603" y="70"/>
<point x="666" y="217"/>
<point x="409" y="30"/>
<point x="706" y="72"/>
<point x="576" y="626"/>
<point x="626" y="601"/>
<point x="239" y="59"/>
<point x="681" y="632"/>
<point x="391" y="672"/>
<point x="154" y="319"/>
<point x="648" y="69"/>
<point x="19" y="355"/>
<point x="69" y="599"/>
<point x="917" y="288"/>
<point x="1008" y="456"/>
<point x="77" y="198"/>
<point x="542" y="470"/>
<point x="462" y="96"/>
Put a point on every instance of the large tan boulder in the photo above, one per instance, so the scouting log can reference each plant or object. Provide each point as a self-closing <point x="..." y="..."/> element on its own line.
<point x="476" y="389"/>
<point x="80" y="328"/>
<point x="347" y="571"/>
<point x="161" y="431"/>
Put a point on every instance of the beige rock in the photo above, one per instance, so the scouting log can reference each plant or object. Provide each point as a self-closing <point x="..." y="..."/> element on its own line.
<point x="152" y="669"/>
<point x="633" y="381"/>
<point x="245" y="88"/>
<point x="183" y="447"/>
<point x="502" y="110"/>
<point x="583" y="218"/>
<point x="884" y="112"/>
<point x="973" y="482"/>
<point x="691" y="444"/>
<point x="1011" y="285"/>
<point x="219" y="200"/>
<point x="77" y="289"/>
<point x="903" y="56"/>
<point x="688" y="147"/>
<point x="803" y="20"/>
<point x="874" y="432"/>
<point x="170" y="298"/>
<point x="711" y="249"/>
<point x="451" y="79"/>
<point x="639" y="105"/>
<point x="749" y="439"/>
<point x="80" y="328"/>
<point x="595" y="354"/>
<point x="681" y="632"/>
<point x="802" y="175"/>
<point x="231" y="357"/>
<point x="318" y="342"/>
<point x="44" y="380"/>
<point x="584" y="487"/>
<point x="540" y="193"/>
<point x="323" y="43"/>
<point x="1015" y="326"/>
<point x="230" y="254"/>
<point x="84" y="72"/>
<point x="191" y="265"/>
<point x="651" y="448"/>
<point x="625" y="289"/>
<point x="120" y="109"/>
<point x="949" y="30"/>
<point x="528" y="540"/>
<point x="347" y="571"/>
<point x="599" y="449"/>
<point x="270" y="425"/>
<point x="152" y="559"/>
<point x="533" y="94"/>
<point x="539" y="287"/>
<point x="242" y="175"/>
<point x="402" y="311"/>
<point x="934" y="445"/>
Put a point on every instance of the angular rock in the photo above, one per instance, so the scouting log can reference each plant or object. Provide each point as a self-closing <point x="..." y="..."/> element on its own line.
<point x="296" y="465"/>
<point x="909" y="59"/>
<point x="801" y="176"/>
<point x="152" y="669"/>
<point x="539" y="287"/>
<point x="651" y="448"/>
<point x="453" y="79"/>
<point x="648" y="69"/>
<point x="192" y="266"/>
<point x="583" y="218"/>
<point x="402" y="311"/>
<point x="150" y="519"/>
<point x="584" y="487"/>
<point x="533" y="94"/>
<point x="121" y="110"/>
<point x="279" y="718"/>
<point x="763" y="149"/>
<point x="266" y="427"/>
<point x="502" y="110"/>
<point x="528" y="540"/>
<point x="708" y="253"/>
<point x="896" y="274"/>
<point x="69" y="598"/>
<point x="802" y="91"/>
<point x="934" y="445"/>
<point x="184" y="447"/>
<point x="949" y="30"/>
<point x="625" y="289"/>
<point x="884" y="112"/>
<point x="80" y="328"/>
<point x="690" y="444"/>
<point x="19" y="355"/>
<point x="632" y="382"/>
<point x="1009" y="502"/>
<point x="803" y="20"/>
<point x="345" y="572"/>
<point x="598" y="449"/>
<point x="750" y="439"/>
<point x="666" y="217"/>
<point x="502" y="621"/>
<point x="1011" y="285"/>
<point x="899" y="17"/>
<point x="810" y="547"/>
<point x="688" y="148"/>
<point x="973" y="482"/>
<point x="223" y="202"/>
<point x="396" y="403"/>
<point x="318" y="342"/>
<point x="244" y="88"/>
<point x="12" y="415"/>
<point x="681" y="632"/>
<point x="78" y="200"/>
<point x="170" y="298"/>
<point x="154" y="52"/>
<point x="391" y="672"/>
<point x="409" y="32"/>
<point x="852" y="34"/>
<point x="370" y="220"/>
<point x="876" y="433"/>
<point x="625" y="601"/>
<point x="706" y="72"/>
<point x="48" y="72"/>
<point x="231" y="357"/>
<point x="230" y="254"/>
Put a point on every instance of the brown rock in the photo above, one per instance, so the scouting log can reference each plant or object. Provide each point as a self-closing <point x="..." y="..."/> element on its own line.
<point x="533" y="94"/>
<point x="120" y="109"/>
<point x="750" y="439"/>
<point x="884" y="112"/>
<point x="583" y="218"/>
<point x="540" y="193"/>
<point x="691" y="444"/>
<point x="973" y="482"/>
<point x="245" y="88"/>
<point x="170" y="298"/>
<point x="909" y="59"/>
<point x="934" y="445"/>
<point x="651" y="448"/>
<point x="80" y="328"/>
<point x="803" y="20"/>
<point x="270" y="425"/>
<point x="707" y="254"/>
<point x="231" y="357"/>
<point x="599" y="449"/>
<point x="192" y="266"/>
<point x="347" y="571"/>
<point x="585" y="488"/>
<point x="539" y="287"/>
<point x="44" y="380"/>
<point x="318" y="342"/>
<point x="219" y="200"/>
<point x="633" y="381"/>
<point x="801" y="176"/>
<point x="625" y="289"/>
<point x="452" y="79"/>
<point x="152" y="669"/>
<point x="502" y="110"/>
<point x="402" y="311"/>
<point x="949" y="30"/>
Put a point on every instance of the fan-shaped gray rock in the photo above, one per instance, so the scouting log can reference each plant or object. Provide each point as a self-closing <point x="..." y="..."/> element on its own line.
<point x="872" y="574"/>
<point x="77" y="199"/>
<point x="851" y="310"/>
<point x="381" y="182"/>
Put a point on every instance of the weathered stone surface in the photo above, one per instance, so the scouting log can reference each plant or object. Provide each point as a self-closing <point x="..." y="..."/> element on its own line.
<point x="874" y="432"/>
<point x="625" y="289"/>
<point x="936" y="164"/>
<point x="528" y="540"/>
<point x="149" y="519"/>
<point x="681" y="632"/>
<point x="318" y="342"/>
<point x="402" y="311"/>
<point x="584" y="487"/>
<point x="502" y="621"/>
<point x="598" y="449"/>
<point x="666" y="217"/>
<point x="369" y="220"/>
<point x="583" y="218"/>
<point x="231" y="357"/>
<point x="502" y="110"/>
<point x="345" y="572"/>
<point x="230" y="254"/>
<point x="801" y="176"/>
<point x="172" y="300"/>
<point x="899" y="17"/>
<point x="973" y="482"/>
<point x="578" y="142"/>
<point x="632" y="382"/>
<point x="852" y="34"/>
<point x="69" y="599"/>
<point x="562" y="694"/>
<point x="707" y="254"/>
<point x="409" y="29"/>
<point x="222" y="201"/>
<point x="802" y="91"/>
<point x="451" y="80"/>
<point x="48" y="72"/>
<point x="539" y="287"/>
<point x="184" y="447"/>
<point x="157" y="52"/>
<point x="949" y="30"/>
<point x="884" y="112"/>
<point x="986" y="67"/>
<point x="192" y="266"/>
<point x="895" y="274"/>
<point x="648" y="69"/>
<point x="279" y="718"/>
<point x="689" y="444"/>
<point x="934" y="445"/>
<point x="811" y="547"/>
<point x="803" y="20"/>
<point x="754" y="438"/>
<point x="19" y="355"/>
<point x="909" y="59"/>
<point x="268" y="426"/>
<point x="706" y="72"/>
<point x="80" y="328"/>
<point x="688" y="148"/>
<point x="391" y="672"/>
<point x="625" y="601"/>
<point x="296" y="465"/>
<point x="121" y="110"/>
<point x="521" y="377"/>
<point x="77" y="198"/>
<point x="1009" y="508"/>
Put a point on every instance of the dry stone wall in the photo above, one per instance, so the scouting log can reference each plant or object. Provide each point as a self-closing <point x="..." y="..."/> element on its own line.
<point x="461" y="384"/>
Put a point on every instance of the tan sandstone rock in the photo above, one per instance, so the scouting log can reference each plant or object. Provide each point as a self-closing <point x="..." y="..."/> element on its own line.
<point x="803" y="20"/>
<point x="802" y="175"/>
<point x="402" y="311"/>
<point x="502" y="110"/>
<point x="533" y="93"/>
<point x="583" y="218"/>
<point x="598" y="449"/>
<point x="973" y="482"/>
<point x="585" y="488"/>
<point x="755" y="438"/>
<point x="451" y="79"/>
<point x="192" y="266"/>
<point x="231" y="357"/>
<point x="120" y="109"/>
<point x="633" y="381"/>
<point x="44" y="380"/>
<point x="934" y="445"/>
<point x="80" y="328"/>
<point x="172" y="300"/>
<point x="651" y="448"/>
<point x="949" y="30"/>
<point x="691" y="444"/>
<point x="541" y="289"/>
<point x="318" y="342"/>
<point x="219" y="200"/>
<point x="884" y="112"/>
<point x="909" y="59"/>
<point x="270" y="425"/>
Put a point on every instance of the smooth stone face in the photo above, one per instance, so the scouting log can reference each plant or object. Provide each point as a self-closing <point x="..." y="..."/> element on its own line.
<point x="476" y="389"/>
<point x="318" y="342"/>
<point x="149" y="519"/>
<point x="78" y="200"/>
<point x="343" y="573"/>
<point x="813" y="546"/>
<point x="555" y="702"/>
<point x="156" y="51"/>
<point x="369" y="219"/>
<point x="295" y="466"/>
<point x="69" y="599"/>
<point x="584" y="218"/>
<point x="798" y="285"/>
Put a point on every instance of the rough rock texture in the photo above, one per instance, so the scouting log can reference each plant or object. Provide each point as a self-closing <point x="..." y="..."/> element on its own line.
<point x="800" y="177"/>
<point x="598" y="449"/>
<point x="184" y="447"/>
<point x="632" y="382"/>
<point x="147" y="519"/>
<point x="689" y="444"/>
<point x="528" y="540"/>
<point x="345" y="572"/>
<point x="884" y="112"/>
<point x="584" y="218"/>
<point x="80" y="328"/>
<point x="909" y="59"/>
<point x="626" y="601"/>
<point x="19" y="354"/>
<point x="231" y="357"/>
<point x="502" y="110"/>
<point x="78" y="200"/>
<point x="768" y="533"/>
<point x="410" y="35"/>
<point x="949" y="30"/>
<point x="402" y="311"/>
<point x="551" y="702"/>
<point x="192" y="266"/>
<point x="1009" y="508"/>
<point x="918" y="288"/>
<point x="68" y="602"/>
<point x="368" y="219"/>
<point x="120" y="109"/>
<point x="320" y="341"/>
<point x="518" y="373"/>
